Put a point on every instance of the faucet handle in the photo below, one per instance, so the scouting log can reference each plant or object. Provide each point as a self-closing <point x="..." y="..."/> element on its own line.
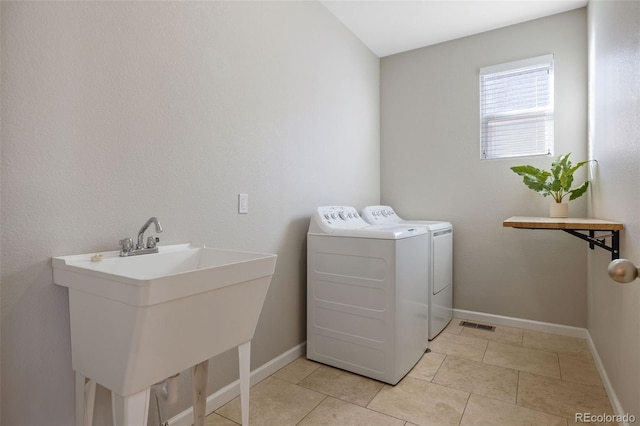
<point x="151" y="241"/>
<point x="126" y="244"/>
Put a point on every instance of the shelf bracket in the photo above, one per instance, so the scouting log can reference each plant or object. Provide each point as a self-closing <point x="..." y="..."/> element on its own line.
<point x="600" y="241"/>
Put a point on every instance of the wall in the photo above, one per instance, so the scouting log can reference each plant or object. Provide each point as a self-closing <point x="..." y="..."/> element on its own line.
<point x="614" y="126"/>
<point x="113" y="112"/>
<point x="0" y="211"/>
<point x="431" y="168"/>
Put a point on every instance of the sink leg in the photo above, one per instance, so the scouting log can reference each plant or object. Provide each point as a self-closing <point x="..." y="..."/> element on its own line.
<point x="244" y="358"/>
<point x="199" y="398"/>
<point x="85" y="400"/>
<point x="89" y="401"/>
<point x="132" y="410"/>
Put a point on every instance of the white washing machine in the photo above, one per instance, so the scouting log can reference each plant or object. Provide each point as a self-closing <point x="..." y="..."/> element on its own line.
<point x="440" y="255"/>
<point x="366" y="299"/>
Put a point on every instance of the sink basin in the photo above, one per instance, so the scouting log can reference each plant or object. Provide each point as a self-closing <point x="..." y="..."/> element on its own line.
<point x="137" y="320"/>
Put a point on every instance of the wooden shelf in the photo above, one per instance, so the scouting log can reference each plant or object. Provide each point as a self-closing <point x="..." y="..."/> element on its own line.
<point x="573" y="226"/>
<point x="561" y="223"/>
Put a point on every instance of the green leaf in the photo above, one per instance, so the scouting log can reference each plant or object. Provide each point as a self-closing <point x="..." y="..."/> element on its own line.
<point x="580" y="164"/>
<point x="527" y="170"/>
<point x="535" y="184"/>
<point x="533" y="178"/>
<point x="579" y="191"/>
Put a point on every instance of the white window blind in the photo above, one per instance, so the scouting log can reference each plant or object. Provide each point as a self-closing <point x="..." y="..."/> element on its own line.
<point x="516" y="108"/>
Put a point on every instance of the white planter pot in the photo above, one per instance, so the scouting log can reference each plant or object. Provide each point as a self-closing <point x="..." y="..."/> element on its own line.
<point x="559" y="210"/>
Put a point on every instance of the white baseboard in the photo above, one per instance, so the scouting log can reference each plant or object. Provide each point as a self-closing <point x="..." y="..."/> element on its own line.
<point x="611" y="393"/>
<point x="232" y="390"/>
<point x="546" y="327"/>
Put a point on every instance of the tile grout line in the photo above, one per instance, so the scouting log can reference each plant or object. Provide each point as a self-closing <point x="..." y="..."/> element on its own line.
<point x="439" y="367"/>
<point x="517" y="388"/>
<point x="314" y="408"/>
<point x="383" y="413"/>
<point x="559" y="366"/>
<point x="466" y="404"/>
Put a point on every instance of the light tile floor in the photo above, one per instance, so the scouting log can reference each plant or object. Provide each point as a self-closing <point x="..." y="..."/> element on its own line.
<point x="472" y="377"/>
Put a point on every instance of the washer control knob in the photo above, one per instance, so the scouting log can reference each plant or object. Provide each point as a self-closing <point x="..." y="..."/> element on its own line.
<point x="343" y="215"/>
<point x="334" y="216"/>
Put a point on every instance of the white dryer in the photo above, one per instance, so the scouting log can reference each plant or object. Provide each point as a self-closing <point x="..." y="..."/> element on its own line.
<point x="440" y="261"/>
<point x="366" y="299"/>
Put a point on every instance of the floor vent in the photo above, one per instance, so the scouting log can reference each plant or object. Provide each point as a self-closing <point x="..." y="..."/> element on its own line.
<point x="476" y="325"/>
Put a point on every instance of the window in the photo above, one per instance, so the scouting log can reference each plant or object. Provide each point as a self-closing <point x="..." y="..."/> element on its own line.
<point x="516" y="108"/>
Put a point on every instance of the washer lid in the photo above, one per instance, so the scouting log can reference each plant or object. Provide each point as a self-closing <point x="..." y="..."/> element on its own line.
<point x="345" y="221"/>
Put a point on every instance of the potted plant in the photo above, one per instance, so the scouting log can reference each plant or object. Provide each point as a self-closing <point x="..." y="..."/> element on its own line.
<point x="557" y="182"/>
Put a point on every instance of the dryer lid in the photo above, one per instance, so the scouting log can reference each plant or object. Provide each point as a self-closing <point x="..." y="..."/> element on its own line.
<point x="380" y="215"/>
<point x="344" y="221"/>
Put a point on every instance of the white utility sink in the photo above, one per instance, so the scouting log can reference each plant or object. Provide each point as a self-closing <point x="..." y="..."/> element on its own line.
<point x="140" y="319"/>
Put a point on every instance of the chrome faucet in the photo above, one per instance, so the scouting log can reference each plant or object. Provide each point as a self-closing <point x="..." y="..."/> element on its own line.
<point x="142" y="230"/>
<point x="127" y="244"/>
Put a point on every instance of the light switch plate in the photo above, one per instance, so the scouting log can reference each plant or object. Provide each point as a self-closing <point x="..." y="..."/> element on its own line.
<point x="243" y="203"/>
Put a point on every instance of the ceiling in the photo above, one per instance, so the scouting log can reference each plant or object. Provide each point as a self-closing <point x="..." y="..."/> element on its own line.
<point x="393" y="26"/>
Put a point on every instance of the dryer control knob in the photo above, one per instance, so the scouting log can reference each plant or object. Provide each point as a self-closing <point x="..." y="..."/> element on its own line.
<point x="343" y="215"/>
